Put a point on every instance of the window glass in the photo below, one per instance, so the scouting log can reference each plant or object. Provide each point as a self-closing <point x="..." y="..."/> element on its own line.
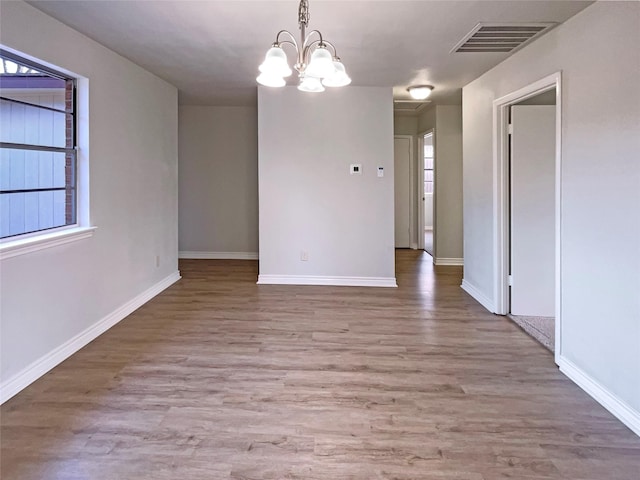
<point x="428" y="168"/>
<point x="37" y="147"/>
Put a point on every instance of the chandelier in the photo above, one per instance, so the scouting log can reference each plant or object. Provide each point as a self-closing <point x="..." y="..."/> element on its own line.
<point x="317" y="61"/>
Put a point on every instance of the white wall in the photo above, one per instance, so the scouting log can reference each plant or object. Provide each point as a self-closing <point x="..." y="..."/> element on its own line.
<point x="53" y="295"/>
<point x="448" y="187"/>
<point x="597" y="52"/>
<point x="405" y="124"/>
<point x="404" y="194"/>
<point x="427" y="120"/>
<point x="309" y="201"/>
<point x="218" y="156"/>
<point x="447" y="122"/>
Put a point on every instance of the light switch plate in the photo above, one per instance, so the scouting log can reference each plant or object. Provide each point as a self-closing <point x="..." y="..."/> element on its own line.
<point x="355" y="169"/>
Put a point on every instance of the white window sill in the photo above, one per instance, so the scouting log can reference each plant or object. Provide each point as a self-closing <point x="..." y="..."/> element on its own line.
<point x="21" y="246"/>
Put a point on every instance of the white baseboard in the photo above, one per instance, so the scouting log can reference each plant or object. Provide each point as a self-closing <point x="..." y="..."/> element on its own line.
<point x="442" y="262"/>
<point x="335" y="281"/>
<point x="41" y="366"/>
<point x="219" y="255"/>
<point x="618" y="408"/>
<point x="480" y="297"/>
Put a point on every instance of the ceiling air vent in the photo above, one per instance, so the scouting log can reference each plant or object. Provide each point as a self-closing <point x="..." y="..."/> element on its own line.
<point x="501" y="37"/>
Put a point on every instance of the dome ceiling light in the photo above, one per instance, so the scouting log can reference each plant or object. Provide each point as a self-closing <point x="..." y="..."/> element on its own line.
<point x="420" y="92"/>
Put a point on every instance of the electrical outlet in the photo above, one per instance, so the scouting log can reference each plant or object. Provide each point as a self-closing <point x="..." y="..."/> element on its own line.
<point x="304" y="256"/>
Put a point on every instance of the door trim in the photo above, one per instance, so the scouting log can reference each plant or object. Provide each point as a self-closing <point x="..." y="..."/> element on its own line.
<point x="501" y="192"/>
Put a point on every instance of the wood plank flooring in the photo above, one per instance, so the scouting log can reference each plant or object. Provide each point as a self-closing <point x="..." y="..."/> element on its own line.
<point x="218" y="378"/>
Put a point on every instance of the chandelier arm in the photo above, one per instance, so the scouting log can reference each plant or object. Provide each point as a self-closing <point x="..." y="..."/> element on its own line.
<point x="288" y="42"/>
<point x="333" y="47"/>
<point x="286" y="32"/>
<point x="292" y="42"/>
<point x="306" y="39"/>
<point x="307" y="48"/>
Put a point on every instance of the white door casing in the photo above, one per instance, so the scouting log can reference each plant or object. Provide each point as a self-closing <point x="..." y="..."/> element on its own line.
<point x="501" y="255"/>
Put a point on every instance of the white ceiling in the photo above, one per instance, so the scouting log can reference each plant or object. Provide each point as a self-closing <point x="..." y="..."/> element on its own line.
<point x="211" y="49"/>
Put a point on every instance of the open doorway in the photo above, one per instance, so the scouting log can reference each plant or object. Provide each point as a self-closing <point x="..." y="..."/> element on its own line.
<point x="527" y="209"/>
<point x="426" y="193"/>
<point x="532" y="215"/>
<point x="428" y="184"/>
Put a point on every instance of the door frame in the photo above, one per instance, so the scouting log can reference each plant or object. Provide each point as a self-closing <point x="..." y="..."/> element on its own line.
<point x="501" y="251"/>
<point x="412" y="192"/>
<point x="420" y="188"/>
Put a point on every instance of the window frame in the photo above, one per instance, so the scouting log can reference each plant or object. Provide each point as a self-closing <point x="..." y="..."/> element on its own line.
<point x="25" y="243"/>
<point x="432" y="170"/>
<point x="70" y="115"/>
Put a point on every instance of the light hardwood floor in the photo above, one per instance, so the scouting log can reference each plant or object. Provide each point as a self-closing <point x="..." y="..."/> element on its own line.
<point x="218" y="378"/>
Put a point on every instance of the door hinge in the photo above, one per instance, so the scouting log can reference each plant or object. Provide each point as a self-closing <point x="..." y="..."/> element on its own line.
<point x="510" y="280"/>
<point x="510" y="129"/>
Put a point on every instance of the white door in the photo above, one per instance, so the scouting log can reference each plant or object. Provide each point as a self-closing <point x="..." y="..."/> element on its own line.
<point x="532" y="170"/>
<point x="402" y="189"/>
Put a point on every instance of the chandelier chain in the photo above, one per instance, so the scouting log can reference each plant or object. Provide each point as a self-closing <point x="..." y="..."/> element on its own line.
<point x="303" y="14"/>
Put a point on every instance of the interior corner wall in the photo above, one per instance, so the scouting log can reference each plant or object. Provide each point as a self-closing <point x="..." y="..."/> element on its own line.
<point x="600" y="179"/>
<point x="427" y="120"/>
<point x="54" y="298"/>
<point x="448" y="187"/>
<point x="405" y="125"/>
<point x="218" y="181"/>
<point x="309" y="201"/>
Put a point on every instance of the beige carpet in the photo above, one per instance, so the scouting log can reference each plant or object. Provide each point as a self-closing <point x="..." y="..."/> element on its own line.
<point x="541" y="328"/>
<point x="428" y="241"/>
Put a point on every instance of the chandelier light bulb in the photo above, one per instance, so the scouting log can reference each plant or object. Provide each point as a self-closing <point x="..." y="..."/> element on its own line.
<point x="321" y="64"/>
<point x="339" y="77"/>
<point x="275" y="63"/>
<point x="311" y="85"/>
<point x="420" y="92"/>
<point x="269" y="80"/>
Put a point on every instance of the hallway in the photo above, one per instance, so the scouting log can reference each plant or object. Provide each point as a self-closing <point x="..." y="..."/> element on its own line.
<point x="218" y="378"/>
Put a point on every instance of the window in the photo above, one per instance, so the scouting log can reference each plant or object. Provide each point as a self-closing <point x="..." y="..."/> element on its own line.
<point x="38" y="156"/>
<point x="428" y="168"/>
